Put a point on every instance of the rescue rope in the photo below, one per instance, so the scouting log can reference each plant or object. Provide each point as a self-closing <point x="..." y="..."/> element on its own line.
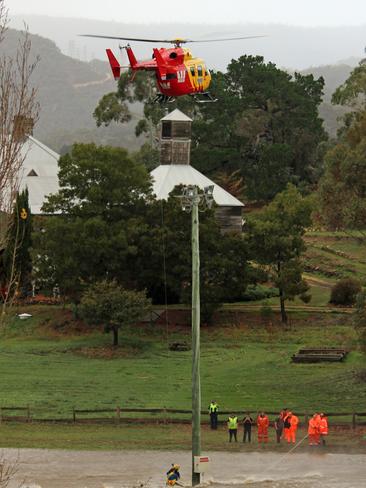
<point x="271" y="466"/>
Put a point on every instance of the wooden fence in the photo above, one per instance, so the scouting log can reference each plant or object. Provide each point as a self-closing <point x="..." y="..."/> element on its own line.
<point x="156" y="416"/>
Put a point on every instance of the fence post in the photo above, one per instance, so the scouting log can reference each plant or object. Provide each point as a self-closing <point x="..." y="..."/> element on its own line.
<point x="73" y="414"/>
<point x="165" y="415"/>
<point x="118" y="414"/>
<point x="354" y="420"/>
<point x="306" y="419"/>
<point x="28" y="414"/>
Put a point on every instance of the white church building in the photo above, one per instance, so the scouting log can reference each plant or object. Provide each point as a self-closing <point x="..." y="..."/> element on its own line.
<point x="39" y="173"/>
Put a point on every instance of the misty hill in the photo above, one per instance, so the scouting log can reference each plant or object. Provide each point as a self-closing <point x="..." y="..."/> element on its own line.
<point x="69" y="90"/>
<point x="334" y="75"/>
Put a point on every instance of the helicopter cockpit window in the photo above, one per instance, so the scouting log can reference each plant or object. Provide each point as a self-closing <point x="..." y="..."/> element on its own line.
<point x="171" y="76"/>
<point x="193" y="71"/>
<point x="199" y="70"/>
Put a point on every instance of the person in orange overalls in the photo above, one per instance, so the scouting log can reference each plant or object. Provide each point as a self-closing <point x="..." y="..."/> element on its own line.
<point x="323" y="428"/>
<point x="313" y="430"/>
<point x="263" y="424"/>
<point x="287" y="426"/>
<point x="294" y="422"/>
<point x="317" y="437"/>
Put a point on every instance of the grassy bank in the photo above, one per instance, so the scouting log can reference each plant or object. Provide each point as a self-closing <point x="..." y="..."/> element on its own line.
<point x="164" y="437"/>
<point x="54" y="363"/>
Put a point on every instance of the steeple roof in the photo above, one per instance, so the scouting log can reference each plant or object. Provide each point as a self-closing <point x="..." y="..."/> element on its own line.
<point x="167" y="176"/>
<point x="178" y="116"/>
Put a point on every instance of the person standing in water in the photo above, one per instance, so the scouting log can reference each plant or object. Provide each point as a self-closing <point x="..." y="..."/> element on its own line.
<point x="173" y="475"/>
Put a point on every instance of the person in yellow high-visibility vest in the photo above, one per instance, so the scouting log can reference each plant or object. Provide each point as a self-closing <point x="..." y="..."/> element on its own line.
<point x="232" y="424"/>
<point x="213" y="411"/>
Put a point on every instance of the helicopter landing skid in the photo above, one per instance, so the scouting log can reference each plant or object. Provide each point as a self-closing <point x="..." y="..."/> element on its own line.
<point x="204" y="97"/>
<point x="160" y="98"/>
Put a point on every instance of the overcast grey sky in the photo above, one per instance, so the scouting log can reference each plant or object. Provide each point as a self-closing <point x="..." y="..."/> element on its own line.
<point x="295" y="12"/>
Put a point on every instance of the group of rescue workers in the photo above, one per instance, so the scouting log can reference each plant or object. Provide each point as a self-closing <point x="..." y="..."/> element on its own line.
<point x="285" y="426"/>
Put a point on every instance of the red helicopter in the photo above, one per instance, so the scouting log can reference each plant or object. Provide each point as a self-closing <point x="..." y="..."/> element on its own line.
<point x="177" y="71"/>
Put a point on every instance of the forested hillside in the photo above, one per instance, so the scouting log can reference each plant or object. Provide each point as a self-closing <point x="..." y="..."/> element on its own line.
<point x="68" y="91"/>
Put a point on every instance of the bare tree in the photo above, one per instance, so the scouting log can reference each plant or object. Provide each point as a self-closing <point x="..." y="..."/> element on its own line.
<point x="18" y="109"/>
<point x="8" y="470"/>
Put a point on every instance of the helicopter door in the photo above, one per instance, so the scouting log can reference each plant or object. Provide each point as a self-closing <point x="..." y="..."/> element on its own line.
<point x="193" y="73"/>
<point x="200" y="76"/>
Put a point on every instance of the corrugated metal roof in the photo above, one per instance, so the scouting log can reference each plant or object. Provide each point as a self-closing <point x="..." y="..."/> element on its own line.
<point x="42" y="161"/>
<point x="167" y="176"/>
<point x="178" y="116"/>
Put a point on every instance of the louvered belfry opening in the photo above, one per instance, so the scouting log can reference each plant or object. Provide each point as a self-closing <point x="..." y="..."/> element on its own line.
<point x="175" y="140"/>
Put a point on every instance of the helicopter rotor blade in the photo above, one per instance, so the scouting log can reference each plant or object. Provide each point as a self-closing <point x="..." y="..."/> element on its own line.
<point x="176" y="41"/>
<point x="168" y="41"/>
<point x="223" y="39"/>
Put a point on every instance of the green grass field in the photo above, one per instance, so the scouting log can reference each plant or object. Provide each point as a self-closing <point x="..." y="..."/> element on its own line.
<point x="165" y="437"/>
<point x="53" y="364"/>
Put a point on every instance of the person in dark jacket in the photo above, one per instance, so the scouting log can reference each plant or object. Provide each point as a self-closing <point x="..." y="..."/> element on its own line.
<point x="278" y="425"/>
<point x="247" y="424"/>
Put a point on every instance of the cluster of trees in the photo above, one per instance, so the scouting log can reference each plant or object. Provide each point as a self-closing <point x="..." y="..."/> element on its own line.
<point x="108" y="226"/>
<point x="111" y="227"/>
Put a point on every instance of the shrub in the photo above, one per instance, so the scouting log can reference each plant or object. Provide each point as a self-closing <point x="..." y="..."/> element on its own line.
<point x="259" y="292"/>
<point x="266" y="313"/>
<point x="344" y="292"/>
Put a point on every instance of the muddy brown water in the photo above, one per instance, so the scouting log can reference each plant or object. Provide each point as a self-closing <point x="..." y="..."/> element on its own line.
<point x="42" y="468"/>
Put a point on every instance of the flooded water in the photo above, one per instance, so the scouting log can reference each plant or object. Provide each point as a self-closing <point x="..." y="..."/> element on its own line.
<point x="40" y="468"/>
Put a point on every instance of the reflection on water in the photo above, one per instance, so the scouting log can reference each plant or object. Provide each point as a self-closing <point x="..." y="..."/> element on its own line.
<point x="122" y="469"/>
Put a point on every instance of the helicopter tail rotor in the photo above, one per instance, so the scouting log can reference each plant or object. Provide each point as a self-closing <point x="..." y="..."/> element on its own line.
<point x="115" y="66"/>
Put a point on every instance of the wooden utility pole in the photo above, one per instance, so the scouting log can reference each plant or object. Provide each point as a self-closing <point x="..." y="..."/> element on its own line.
<point x="196" y="316"/>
